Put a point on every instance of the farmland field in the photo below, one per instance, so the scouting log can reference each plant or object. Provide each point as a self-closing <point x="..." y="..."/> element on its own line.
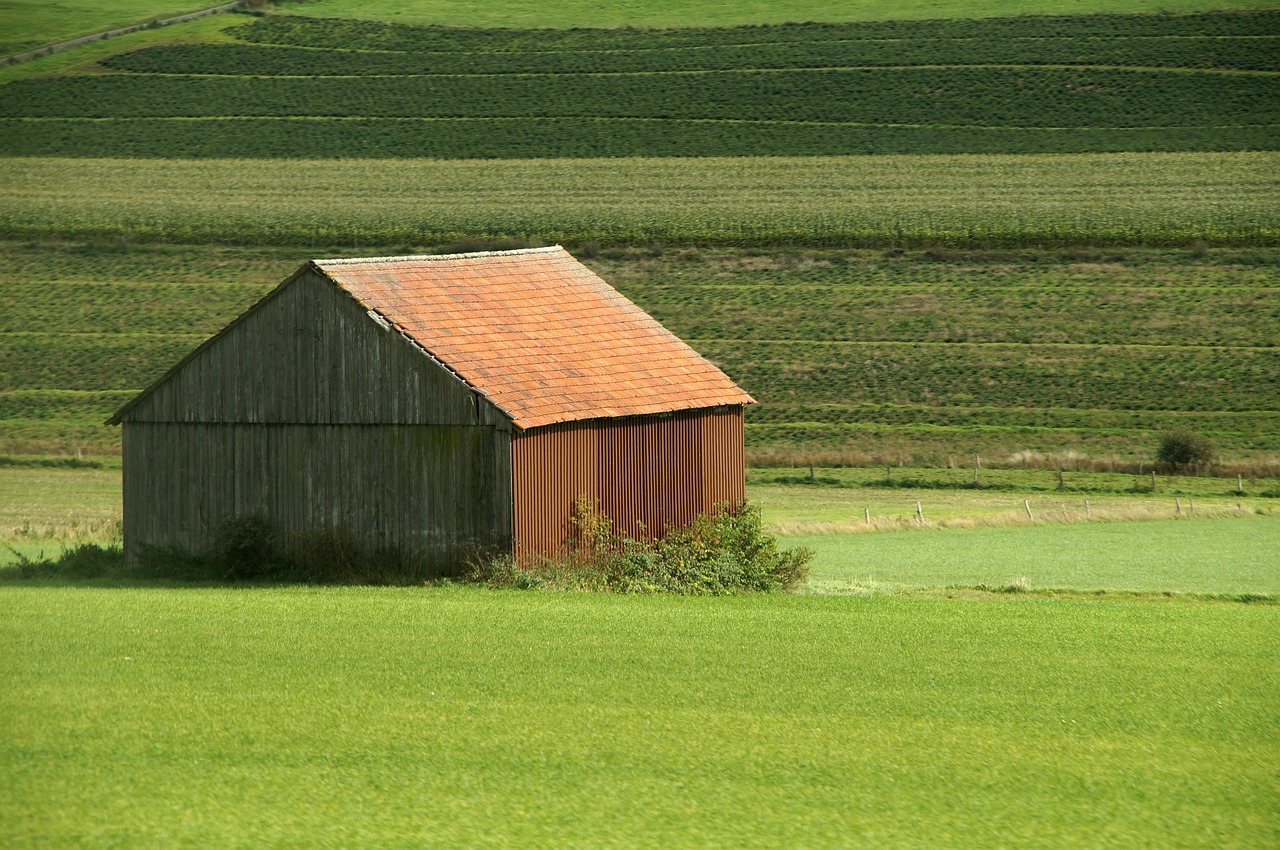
<point x="297" y="87"/>
<point x="1024" y="244"/>
<point x="461" y="717"/>
<point x="583" y="13"/>
<point x="26" y="24"/>
<point x="884" y="202"/>
<point x="868" y="356"/>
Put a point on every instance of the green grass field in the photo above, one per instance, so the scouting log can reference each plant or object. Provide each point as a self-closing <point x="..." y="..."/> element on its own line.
<point x="25" y="24"/>
<point x="1227" y="555"/>
<point x="1209" y="541"/>
<point x="461" y="717"/>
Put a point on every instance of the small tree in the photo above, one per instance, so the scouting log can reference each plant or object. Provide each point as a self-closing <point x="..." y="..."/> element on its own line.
<point x="1184" y="448"/>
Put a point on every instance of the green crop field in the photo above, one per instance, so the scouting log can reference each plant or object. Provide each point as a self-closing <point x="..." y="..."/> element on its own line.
<point x="885" y="202"/>
<point x="26" y="24"/>
<point x="297" y="87"/>
<point x="664" y="13"/>
<point x="866" y="356"/>
<point x="461" y="717"/>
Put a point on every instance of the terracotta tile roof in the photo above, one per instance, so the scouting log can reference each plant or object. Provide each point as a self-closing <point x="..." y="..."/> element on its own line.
<point x="538" y="333"/>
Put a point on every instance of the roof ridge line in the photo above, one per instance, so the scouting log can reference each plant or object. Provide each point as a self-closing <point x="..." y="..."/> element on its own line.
<point x="417" y="257"/>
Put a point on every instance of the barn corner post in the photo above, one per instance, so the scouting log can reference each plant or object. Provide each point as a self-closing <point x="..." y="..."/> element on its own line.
<point x="438" y="404"/>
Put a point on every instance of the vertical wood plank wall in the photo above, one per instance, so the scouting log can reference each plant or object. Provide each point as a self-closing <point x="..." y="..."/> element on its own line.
<point x="645" y="473"/>
<point x="310" y="414"/>
<point x="430" y="491"/>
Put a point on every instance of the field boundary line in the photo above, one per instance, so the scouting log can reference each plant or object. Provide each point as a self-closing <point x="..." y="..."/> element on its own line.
<point x="58" y="47"/>
<point x="805" y="69"/>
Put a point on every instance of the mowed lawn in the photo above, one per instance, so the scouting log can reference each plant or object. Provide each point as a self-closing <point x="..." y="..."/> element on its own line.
<point x="1222" y="555"/>
<point x="452" y="717"/>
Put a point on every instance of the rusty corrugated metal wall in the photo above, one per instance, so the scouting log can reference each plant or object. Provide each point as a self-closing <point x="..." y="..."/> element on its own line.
<point x="646" y="473"/>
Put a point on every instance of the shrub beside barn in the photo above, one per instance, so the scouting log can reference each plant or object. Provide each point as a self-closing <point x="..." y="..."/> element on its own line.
<point x="437" y="405"/>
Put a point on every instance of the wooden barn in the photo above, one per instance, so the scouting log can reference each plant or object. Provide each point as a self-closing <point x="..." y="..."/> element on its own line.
<point x="435" y="404"/>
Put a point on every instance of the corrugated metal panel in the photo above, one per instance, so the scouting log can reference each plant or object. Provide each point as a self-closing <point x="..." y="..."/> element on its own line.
<point x="647" y="473"/>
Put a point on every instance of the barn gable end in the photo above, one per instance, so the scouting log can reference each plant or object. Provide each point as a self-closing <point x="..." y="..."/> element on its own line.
<point x="311" y="353"/>
<point x="310" y="412"/>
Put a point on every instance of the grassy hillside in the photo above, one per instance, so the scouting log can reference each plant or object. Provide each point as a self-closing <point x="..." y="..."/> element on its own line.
<point x="861" y="356"/>
<point x="299" y="87"/>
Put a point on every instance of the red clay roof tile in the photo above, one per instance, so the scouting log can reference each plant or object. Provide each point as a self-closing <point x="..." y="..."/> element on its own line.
<point x="538" y="333"/>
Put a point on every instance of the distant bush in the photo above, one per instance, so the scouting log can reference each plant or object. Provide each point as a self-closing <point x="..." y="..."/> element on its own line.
<point x="725" y="551"/>
<point x="1184" y="448"/>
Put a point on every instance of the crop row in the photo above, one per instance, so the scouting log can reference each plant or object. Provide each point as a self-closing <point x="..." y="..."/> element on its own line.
<point x="802" y="372"/>
<point x="53" y="360"/>
<point x="855" y="303"/>
<point x="932" y="445"/>
<point x="62" y="405"/>
<point x="964" y="97"/>
<point x="61" y="378"/>
<point x="1037" y="376"/>
<point x="109" y="306"/>
<point x="1095" y="315"/>
<point x="578" y="138"/>
<point x="94" y="407"/>
<point x="1149" y="299"/>
<point x="371" y="35"/>
<point x="221" y="59"/>
<point x="977" y="201"/>
<point x="1209" y="422"/>
<point x="120" y="263"/>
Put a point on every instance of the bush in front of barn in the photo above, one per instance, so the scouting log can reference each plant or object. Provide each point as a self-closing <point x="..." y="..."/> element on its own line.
<point x="725" y="551"/>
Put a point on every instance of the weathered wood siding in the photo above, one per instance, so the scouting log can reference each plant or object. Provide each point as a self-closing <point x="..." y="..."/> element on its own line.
<point x="311" y="353"/>
<point x="646" y="473"/>
<point x="432" y="491"/>
<point x="308" y="412"/>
